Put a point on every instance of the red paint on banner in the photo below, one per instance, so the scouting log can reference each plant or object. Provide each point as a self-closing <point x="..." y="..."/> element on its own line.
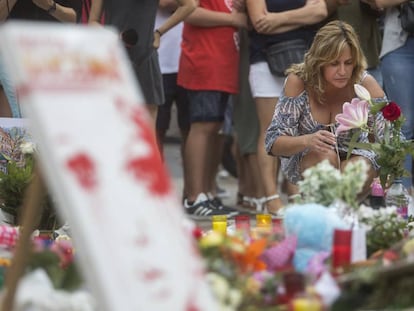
<point x="149" y="167"/>
<point x="83" y="167"/>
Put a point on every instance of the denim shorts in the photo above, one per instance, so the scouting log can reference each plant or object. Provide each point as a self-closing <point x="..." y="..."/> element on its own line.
<point x="207" y="106"/>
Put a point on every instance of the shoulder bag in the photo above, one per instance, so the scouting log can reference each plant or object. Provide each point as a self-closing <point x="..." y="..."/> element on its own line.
<point x="280" y="56"/>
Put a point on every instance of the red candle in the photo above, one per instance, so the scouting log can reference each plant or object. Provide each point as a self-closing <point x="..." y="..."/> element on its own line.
<point x="243" y="222"/>
<point x="341" y="248"/>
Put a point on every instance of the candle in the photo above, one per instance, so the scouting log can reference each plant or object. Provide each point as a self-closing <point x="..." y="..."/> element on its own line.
<point x="341" y="248"/>
<point x="219" y="223"/>
<point x="243" y="222"/>
<point x="306" y="304"/>
<point x="264" y="221"/>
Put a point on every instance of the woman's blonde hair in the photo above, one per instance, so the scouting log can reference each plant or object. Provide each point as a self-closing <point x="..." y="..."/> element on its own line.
<point x="327" y="46"/>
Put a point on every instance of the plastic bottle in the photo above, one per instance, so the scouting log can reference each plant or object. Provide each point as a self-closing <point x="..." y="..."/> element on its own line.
<point x="397" y="195"/>
<point x="377" y="199"/>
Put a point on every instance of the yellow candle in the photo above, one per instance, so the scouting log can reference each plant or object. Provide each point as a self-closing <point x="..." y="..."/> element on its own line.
<point x="219" y="223"/>
<point x="264" y="220"/>
<point x="306" y="304"/>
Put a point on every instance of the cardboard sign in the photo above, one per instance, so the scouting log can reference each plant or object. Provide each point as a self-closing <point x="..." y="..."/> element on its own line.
<point x="101" y="163"/>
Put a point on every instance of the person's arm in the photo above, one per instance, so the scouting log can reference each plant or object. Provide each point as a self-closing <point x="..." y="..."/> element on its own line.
<point x="168" y="5"/>
<point x="5" y="8"/>
<point x="95" y="12"/>
<point x="60" y="12"/>
<point x="373" y="87"/>
<point x="288" y="142"/>
<point x="266" y="22"/>
<point x="383" y="4"/>
<point x="184" y="9"/>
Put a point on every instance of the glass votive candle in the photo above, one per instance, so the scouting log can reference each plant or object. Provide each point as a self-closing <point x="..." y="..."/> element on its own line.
<point x="306" y="303"/>
<point x="341" y="248"/>
<point x="277" y="224"/>
<point x="242" y="222"/>
<point x="264" y="221"/>
<point x="219" y="223"/>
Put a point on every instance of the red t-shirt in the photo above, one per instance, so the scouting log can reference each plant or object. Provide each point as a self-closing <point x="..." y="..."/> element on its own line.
<point x="209" y="55"/>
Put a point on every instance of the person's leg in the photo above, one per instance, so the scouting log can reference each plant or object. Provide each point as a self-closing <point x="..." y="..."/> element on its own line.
<point x="152" y="110"/>
<point x="183" y="121"/>
<point x="397" y="71"/>
<point x="198" y="151"/>
<point x="164" y="111"/>
<point x="207" y="114"/>
<point x="220" y="139"/>
<point x="313" y="157"/>
<point x="5" y="111"/>
<point x="266" y="88"/>
<point x="8" y="105"/>
<point x="268" y="165"/>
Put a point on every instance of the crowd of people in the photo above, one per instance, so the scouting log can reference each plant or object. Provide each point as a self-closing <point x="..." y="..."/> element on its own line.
<point x="211" y="58"/>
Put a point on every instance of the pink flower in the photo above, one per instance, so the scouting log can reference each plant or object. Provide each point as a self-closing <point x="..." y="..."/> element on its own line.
<point x="355" y="115"/>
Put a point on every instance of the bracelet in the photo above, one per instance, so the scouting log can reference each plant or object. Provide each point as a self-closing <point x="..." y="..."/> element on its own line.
<point x="52" y="8"/>
<point x="159" y="32"/>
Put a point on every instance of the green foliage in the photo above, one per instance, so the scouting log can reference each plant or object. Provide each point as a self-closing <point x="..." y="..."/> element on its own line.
<point x="13" y="185"/>
<point x="384" y="232"/>
<point x="67" y="278"/>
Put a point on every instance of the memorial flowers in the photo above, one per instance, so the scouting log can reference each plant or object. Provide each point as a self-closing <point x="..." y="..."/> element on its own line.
<point x="19" y="154"/>
<point x="324" y="184"/>
<point x="386" y="140"/>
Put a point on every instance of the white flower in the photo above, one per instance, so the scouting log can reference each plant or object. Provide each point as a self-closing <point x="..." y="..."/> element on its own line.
<point x="362" y="92"/>
<point x="235" y="298"/>
<point x="27" y="147"/>
<point x="219" y="285"/>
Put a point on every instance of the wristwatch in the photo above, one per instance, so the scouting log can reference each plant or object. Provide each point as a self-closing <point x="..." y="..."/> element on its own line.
<point x="52" y="8"/>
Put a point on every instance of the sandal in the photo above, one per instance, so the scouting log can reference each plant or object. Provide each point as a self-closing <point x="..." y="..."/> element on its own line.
<point x="244" y="203"/>
<point x="268" y="199"/>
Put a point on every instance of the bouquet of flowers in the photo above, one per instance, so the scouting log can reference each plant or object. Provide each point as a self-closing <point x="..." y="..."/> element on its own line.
<point x="245" y="271"/>
<point x="391" y="147"/>
<point x="19" y="154"/>
<point x="324" y="184"/>
<point x="384" y="227"/>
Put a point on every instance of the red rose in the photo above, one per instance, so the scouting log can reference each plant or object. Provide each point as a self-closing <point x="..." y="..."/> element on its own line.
<point x="391" y="112"/>
<point x="197" y="233"/>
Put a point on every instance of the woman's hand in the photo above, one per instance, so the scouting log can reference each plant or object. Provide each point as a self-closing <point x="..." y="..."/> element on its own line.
<point x="322" y="141"/>
<point x="266" y="23"/>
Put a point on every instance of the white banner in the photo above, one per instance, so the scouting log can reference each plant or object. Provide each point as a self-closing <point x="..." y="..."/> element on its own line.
<point x="101" y="163"/>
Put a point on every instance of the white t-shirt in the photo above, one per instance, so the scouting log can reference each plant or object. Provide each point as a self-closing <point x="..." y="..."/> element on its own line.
<point x="170" y="46"/>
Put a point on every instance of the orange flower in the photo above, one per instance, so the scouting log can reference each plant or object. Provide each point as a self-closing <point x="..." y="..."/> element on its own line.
<point x="250" y="259"/>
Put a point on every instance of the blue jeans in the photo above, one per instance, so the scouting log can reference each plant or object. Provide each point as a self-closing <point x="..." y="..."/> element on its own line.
<point x="377" y="74"/>
<point x="398" y="74"/>
<point x="10" y="91"/>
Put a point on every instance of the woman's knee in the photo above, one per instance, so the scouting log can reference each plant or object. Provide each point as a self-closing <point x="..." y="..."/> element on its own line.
<point x="314" y="157"/>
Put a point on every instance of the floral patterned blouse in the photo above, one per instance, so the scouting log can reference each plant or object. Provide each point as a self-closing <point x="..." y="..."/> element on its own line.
<point x="293" y="117"/>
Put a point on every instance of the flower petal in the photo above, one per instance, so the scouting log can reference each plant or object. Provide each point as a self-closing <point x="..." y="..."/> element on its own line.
<point x="354" y="115"/>
<point x="362" y="92"/>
